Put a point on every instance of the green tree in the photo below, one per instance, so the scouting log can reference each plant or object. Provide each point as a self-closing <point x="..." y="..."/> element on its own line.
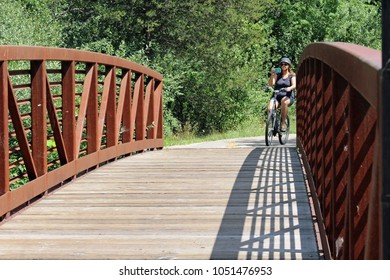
<point x="220" y="46"/>
<point x="214" y="54"/>
<point x="298" y="23"/>
<point x="25" y="23"/>
<point x="225" y="44"/>
<point x="295" y="24"/>
<point x="356" y="22"/>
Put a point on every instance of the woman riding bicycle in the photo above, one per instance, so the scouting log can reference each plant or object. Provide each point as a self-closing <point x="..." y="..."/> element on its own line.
<point x="285" y="82"/>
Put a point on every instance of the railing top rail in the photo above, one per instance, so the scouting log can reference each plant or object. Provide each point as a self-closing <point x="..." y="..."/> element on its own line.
<point x="8" y="53"/>
<point x="352" y="62"/>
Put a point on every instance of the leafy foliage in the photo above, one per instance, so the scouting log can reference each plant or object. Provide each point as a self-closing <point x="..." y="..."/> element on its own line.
<point x="360" y="24"/>
<point x="28" y="23"/>
<point x="295" y="24"/>
<point x="214" y="54"/>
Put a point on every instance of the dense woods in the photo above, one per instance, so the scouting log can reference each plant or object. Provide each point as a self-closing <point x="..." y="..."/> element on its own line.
<point x="215" y="55"/>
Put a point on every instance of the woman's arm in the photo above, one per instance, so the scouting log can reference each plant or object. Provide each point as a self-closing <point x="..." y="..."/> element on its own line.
<point x="293" y="84"/>
<point x="272" y="78"/>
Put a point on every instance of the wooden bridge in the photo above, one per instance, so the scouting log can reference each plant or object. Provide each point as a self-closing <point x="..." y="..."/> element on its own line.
<point x="84" y="175"/>
<point x="222" y="200"/>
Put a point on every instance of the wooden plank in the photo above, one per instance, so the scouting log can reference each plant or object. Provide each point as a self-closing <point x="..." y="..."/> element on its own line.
<point x="225" y="203"/>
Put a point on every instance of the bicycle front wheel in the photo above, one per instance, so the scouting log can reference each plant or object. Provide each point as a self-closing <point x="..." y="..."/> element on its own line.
<point x="283" y="136"/>
<point x="269" y="129"/>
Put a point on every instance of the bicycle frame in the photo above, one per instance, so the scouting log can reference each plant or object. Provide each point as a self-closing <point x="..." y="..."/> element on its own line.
<point x="274" y="116"/>
<point x="275" y="111"/>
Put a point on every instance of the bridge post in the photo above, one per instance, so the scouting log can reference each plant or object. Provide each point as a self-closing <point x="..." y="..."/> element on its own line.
<point x="385" y="119"/>
<point x="4" y="138"/>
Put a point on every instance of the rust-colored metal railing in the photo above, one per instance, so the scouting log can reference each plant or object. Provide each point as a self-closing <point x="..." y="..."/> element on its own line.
<point x="338" y="136"/>
<point x="65" y="111"/>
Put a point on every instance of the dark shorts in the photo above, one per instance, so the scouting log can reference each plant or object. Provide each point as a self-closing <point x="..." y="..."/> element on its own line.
<point x="279" y="98"/>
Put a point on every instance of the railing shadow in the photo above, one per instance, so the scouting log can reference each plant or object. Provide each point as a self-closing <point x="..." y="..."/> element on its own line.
<point x="268" y="215"/>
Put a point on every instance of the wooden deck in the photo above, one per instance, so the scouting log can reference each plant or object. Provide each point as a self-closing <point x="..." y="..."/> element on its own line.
<point x="225" y="200"/>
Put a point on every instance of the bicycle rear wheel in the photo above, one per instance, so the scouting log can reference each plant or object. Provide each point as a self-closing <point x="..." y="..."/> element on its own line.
<point x="269" y="128"/>
<point x="283" y="136"/>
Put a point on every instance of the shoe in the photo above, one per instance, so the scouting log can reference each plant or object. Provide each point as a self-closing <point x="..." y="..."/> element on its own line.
<point x="283" y="129"/>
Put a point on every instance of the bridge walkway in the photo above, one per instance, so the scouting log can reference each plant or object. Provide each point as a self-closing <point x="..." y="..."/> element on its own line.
<point x="233" y="199"/>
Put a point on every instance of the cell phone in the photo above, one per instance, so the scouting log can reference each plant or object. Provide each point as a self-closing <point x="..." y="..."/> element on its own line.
<point x="278" y="70"/>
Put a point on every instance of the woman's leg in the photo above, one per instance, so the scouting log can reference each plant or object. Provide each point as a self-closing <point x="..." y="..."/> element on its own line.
<point x="285" y="103"/>
<point x="271" y="104"/>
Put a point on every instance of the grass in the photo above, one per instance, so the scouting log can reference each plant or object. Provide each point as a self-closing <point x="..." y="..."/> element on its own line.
<point x="189" y="137"/>
<point x="252" y="128"/>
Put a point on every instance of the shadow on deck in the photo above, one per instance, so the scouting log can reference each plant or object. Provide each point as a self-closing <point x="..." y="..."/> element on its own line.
<point x="233" y="199"/>
<point x="268" y="215"/>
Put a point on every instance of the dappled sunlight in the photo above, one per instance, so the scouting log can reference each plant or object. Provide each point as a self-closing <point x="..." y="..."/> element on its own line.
<point x="273" y="220"/>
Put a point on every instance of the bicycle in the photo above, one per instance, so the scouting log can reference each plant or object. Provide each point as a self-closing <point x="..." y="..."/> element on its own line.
<point x="272" y="126"/>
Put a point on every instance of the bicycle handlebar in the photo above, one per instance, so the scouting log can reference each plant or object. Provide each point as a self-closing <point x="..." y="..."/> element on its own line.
<point x="274" y="91"/>
<point x="271" y="88"/>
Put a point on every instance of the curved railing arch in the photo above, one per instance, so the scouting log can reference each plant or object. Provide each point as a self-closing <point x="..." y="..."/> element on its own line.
<point x="338" y="135"/>
<point x="63" y="111"/>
